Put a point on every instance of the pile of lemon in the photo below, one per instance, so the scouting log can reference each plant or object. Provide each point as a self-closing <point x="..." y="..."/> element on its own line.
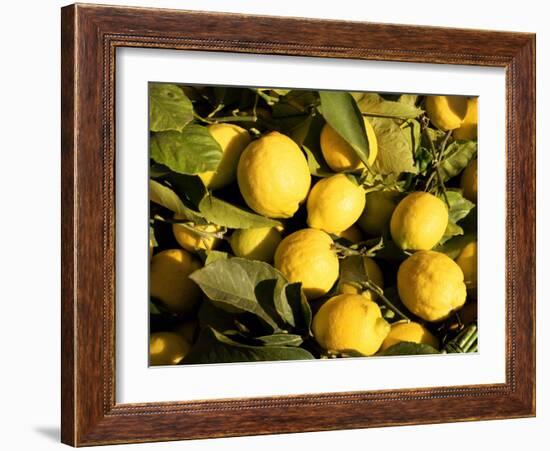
<point x="274" y="180"/>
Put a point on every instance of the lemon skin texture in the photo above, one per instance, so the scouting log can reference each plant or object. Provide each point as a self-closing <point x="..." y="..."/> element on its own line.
<point x="467" y="260"/>
<point x="419" y="221"/>
<point x="307" y="256"/>
<point x="273" y="176"/>
<point x="431" y="285"/>
<point x="334" y="204"/>
<point x="356" y="269"/>
<point x="350" y="322"/>
<point x="170" y="283"/>
<point x="468" y="129"/>
<point x="256" y="244"/>
<point x="411" y="332"/>
<point x="339" y="155"/>
<point x="379" y="207"/>
<point x="193" y="240"/>
<point x="233" y="140"/>
<point x="446" y="112"/>
<point x="167" y="348"/>
<point x="468" y="181"/>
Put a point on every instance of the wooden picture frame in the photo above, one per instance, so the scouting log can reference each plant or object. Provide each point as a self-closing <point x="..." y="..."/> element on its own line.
<point x="90" y="36"/>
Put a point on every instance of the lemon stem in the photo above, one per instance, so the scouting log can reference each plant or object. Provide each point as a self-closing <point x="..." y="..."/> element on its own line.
<point x="376" y="289"/>
<point x="436" y="167"/>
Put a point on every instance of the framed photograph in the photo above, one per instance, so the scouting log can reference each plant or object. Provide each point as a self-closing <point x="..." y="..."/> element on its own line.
<point x="266" y="231"/>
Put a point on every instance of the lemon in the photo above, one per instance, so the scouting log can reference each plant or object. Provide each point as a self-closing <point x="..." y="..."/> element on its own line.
<point x="307" y="256"/>
<point x="357" y="269"/>
<point x="379" y="206"/>
<point x="195" y="237"/>
<point x="446" y="112"/>
<point x="232" y="140"/>
<point x="273" y="176"/>
<point x="467" y="260"/>
<point x="350" y="322"/>
<point x="419" y="221"/>
<point x="468" y="181"/>
<point x="170" y="282"/>
<point x="256" y="244"/>
<point x="167" y="348"/>
<point x="411" y="332"/>
<point x="468" y="129"/>
<point x="339" y="155"/>
<point x="352" y="234"/>
<point x="431" y="285"/>
<point x="334" y="204"/>
<point x="187" y="330"/>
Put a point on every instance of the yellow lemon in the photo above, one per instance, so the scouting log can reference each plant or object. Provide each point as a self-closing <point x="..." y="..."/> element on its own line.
<point x="334" y="204"/>
<point x="352" y="234"/>
<point x="431" y="285"/>
<point x="273" y="176"/>
<point x="419" y="221"/>
<point x="379" y="206"/>
<point x="446" y="112"/>
<point x="256" y="244"/>
<point x="170" y="282"/>
<point x="357" y="269"/>
<point x="467" y="260"/>
<point x="468" y="129"/>
<point x="307" y="256"/>
<point x="468" y="181"/>
<point x="195" y="237"/>
<point x="350" y="322"/>
<point x="339" y="155"/>
<point x="167" y="348"/>
<point x="409" y="331"/>
<point x="233" y="140"/>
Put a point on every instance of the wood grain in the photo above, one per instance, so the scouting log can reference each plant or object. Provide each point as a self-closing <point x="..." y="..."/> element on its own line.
<point x="90" y="36"/>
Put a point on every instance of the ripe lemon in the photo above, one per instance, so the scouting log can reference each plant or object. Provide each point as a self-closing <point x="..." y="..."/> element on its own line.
<point x="379" y="206"/>
<point x="334" y="204"/>
<point x="431" y="285"/>
<point x="357" y="269"/>
<point x="307" y="256"/>
<point x="167" y="348"/>
<point x="170" y="282"/>
<point x="352" y="234"/>
<point x="467" y="260"/>
<point x="468" y="181"/>
<point x="446" y="112"/>
<point x="419" y="221"/>
<point x="339" y="155"/>
<point x="273" y="176"/>
<point x="199" y="236"/>
<point x="233" y="140"/>
<point x="350" y="322"/>
<point x="256" y="244"/>
<point x="468" y="129"/>
<point x="411" y="332"/>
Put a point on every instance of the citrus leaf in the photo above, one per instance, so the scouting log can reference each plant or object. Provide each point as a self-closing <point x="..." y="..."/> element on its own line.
<point x="280" y="340"/>
<point x="457" y="156"/>
<point x="212" y="256"/>
<point x="454" y="245"/>
<point x="408" y="348"/>
<point x="459" y="207"/>
<point x="167" y="198"/>
<point x="316" y="163"/>
<point x="169" y="108"/>
<point x="215" y="347"/>
<point x="191" y="151"/>
<point x="292" y="301"/>
<point x="395" y="153"/>
<point x="225" y="214"/>
<point x="341" y="112"/>
<point x="371" y="104"/>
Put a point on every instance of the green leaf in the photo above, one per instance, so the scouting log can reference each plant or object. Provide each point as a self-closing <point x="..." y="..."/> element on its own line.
<point x="371" y="104"/>
<point x="459" y="207"/>
<point x="212" y="256"/>
<point x="191" y="151"/>
<point x="341" y="112"/>
<point x="169" y="108"/>
<point x="457" y="156"/>
<point x="242" y="285"/>
<point x="409" y="348"/>
<point x="454" y="246"/>
<point x="215" y="347"/>
<point x="225" y="214"/>
<point x="308" y="136"/>
<point x="280" y="340"/>
<point x="395" y="153"/>
<point x="408" y="99"/>
<point x="316" y="163"/>
<point x="189" y="188"/>
<point x="293" y="303"/>
<point x="167" y="198"/>
<point x="152" y="238"/>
